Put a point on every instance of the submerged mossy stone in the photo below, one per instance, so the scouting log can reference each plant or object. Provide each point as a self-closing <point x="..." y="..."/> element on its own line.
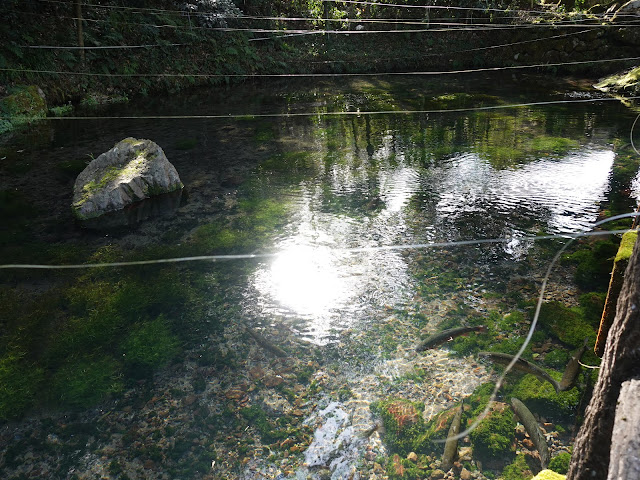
<point x="404" y="428"/>
<point x="566" y="324"/>
<point x="549" y="475"/>
<point x="543" y="400"/>
<point x="131" y="171"/>
<point x="493" y="437"/>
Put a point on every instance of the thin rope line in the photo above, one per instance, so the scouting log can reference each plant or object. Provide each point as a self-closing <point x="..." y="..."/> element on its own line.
<point x="455" y="27"/>
<point x="139" y="10"/>
<point x="290" y="75"/>
<point x="251" y="256"/>
<point x="452" y="27"/>
<point x="592" y="367"/>
<point x="378" y="59"/>
<point x="104" y="47"/>
<point x="631" y="134"/>
<point x="430" y="7"/>
<point x="192" y="14"/>
<point x="534" y="322"/>
<point x="341" y="113"/>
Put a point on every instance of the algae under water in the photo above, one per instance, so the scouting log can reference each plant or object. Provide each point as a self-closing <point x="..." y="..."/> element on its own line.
<point x="284" y="364"/>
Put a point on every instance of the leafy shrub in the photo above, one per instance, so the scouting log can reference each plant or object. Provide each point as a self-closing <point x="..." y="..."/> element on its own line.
<point x="212" y="13"/>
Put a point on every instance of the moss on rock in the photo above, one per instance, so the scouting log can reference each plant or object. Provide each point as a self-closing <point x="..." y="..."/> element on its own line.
<point x="493" y="437"/>
<point x="560" y="463"/>
<point x="566" y="324"/>
<point x="627" y="83"/>
<point x="405" y="430"/>
<point x="25" y="101"/>
<point x="517" y="470"/>
<point x="543" y="400"/>
<point x="626" y="246"/>
<point x="549" y="475"/>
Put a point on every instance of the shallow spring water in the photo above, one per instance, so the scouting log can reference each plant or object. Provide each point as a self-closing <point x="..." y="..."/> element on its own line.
<point x="327" y="195"/>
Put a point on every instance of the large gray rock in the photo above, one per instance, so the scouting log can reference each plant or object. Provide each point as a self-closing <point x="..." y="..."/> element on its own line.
<point x="131" y="171"/>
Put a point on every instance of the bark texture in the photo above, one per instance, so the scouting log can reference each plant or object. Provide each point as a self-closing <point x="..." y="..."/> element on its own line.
<point x="621" y="362"/>
<point x="625" y="441"/>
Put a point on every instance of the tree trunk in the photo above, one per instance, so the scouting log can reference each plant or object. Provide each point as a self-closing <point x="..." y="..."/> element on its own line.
<point x="620" y="363"/>
<point x="625" y="441"/>
<point x="80" y="34"/>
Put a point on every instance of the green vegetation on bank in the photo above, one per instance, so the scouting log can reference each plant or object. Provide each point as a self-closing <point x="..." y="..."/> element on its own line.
<point x="171" y="45"/>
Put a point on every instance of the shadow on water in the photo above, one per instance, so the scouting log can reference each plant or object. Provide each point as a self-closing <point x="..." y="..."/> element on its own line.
<point x="287" y="364"/>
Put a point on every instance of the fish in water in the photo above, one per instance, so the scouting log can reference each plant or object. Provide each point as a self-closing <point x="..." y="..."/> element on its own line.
<point x="446" y="336"/>
<point x="451" y="445"/>
<point x="531" y="426"/>
<point x="264" y="343"/>
<point x="370" y="430"/>
<point x="521" y="365"/>
<point x="573" y="368"/>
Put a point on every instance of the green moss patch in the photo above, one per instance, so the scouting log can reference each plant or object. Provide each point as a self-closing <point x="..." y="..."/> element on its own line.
<point x="627" y="82"/>
<point x="24" y="102"/>
<point x="566" y="324"/>
<point x="150" y="345"/>
<point x="84" y="381"/>
<point x="560" y="463"/>
<point x="626" y="245"/>
<point x="542" y="399"/>
<point x="493" y="437"/>
<point x="517" y="470"/>
<point x="405" y="430"/>
<point x="20" y="383"/>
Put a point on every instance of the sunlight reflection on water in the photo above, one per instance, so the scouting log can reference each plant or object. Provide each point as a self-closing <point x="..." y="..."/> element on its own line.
<point x="568" y="189"/>
<point x="306" y="280"/>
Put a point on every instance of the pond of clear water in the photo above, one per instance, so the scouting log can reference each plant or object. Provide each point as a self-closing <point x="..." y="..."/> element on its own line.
<point x="255" y="368"/>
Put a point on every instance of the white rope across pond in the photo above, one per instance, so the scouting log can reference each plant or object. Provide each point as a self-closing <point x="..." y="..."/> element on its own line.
<point x="354" y="250"/>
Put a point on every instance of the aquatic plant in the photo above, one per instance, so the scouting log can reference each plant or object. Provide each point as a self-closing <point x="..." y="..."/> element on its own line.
<point x="83" y="381"/>
<point x="593" y="264"/>
<point x="517" y="470"/>
<point x="186" y="143"/>
<point x="560" y="463"/>
<point x="405" y="469"/>
<point x="150" y="345"/>
<point x="566" y="324"/>
<point x="405" y="430"/>
<point x="542" y="399"/>
<point x="493" y="437"/>
<point x="20" y="382"/>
